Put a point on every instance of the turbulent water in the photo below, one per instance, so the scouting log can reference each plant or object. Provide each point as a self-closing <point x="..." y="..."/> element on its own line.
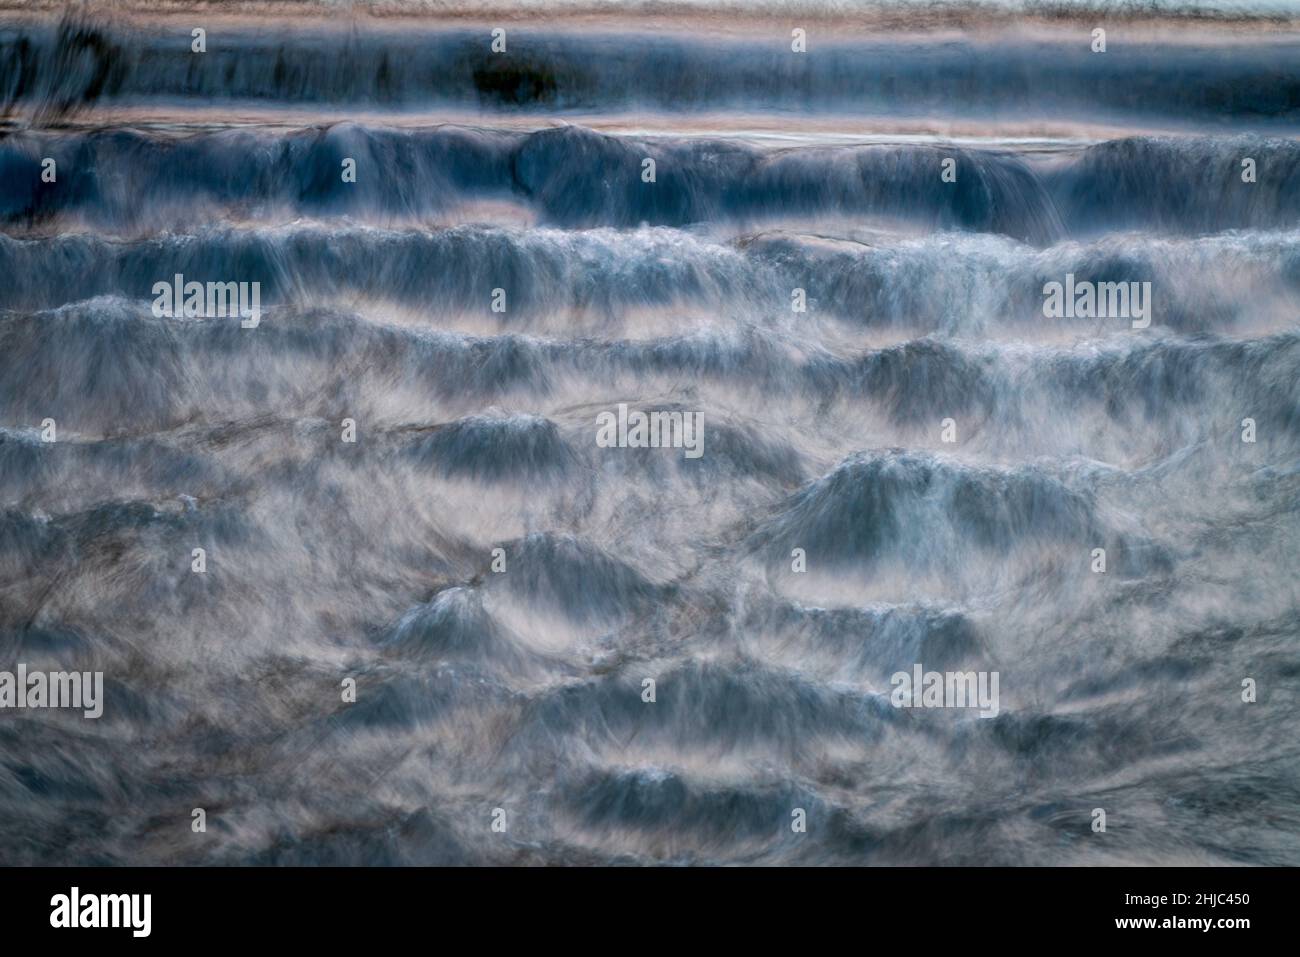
<point x="436" y="621"/>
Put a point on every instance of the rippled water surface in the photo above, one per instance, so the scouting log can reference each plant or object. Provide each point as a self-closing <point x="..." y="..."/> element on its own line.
<point x="917" y="468"/>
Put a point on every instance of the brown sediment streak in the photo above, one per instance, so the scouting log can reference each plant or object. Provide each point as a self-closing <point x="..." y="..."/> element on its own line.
<point x="957" y="18"/>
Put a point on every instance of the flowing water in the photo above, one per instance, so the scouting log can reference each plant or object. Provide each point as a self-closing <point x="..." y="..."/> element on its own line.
<point x="437" y="621"/>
